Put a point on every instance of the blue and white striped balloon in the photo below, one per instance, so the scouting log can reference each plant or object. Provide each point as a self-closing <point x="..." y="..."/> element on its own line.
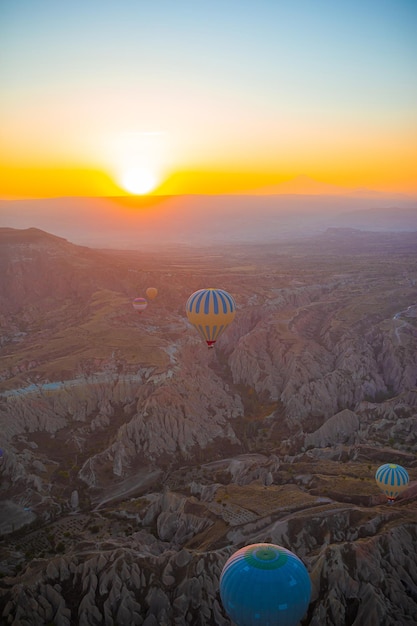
<point x="392" y="479"/>
<point x="210" y="311"/>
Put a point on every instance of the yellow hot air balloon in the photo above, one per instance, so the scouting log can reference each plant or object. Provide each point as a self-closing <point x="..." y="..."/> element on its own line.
<point x="210" y="311"/>
<point x="151" y="292"/>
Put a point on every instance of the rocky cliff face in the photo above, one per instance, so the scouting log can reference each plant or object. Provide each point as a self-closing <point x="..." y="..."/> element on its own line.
<point x="317" y="365"/>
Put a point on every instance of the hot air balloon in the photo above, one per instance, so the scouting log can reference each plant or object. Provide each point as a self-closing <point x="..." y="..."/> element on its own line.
<point x="265" y="584"/>
<point x="210" y="311"/>
<point x="139" y="304"/>
<point x="392" y="479"/>
<point x="151" y="292"/>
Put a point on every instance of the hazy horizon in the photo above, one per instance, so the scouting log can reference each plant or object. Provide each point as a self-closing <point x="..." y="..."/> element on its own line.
<point x="132" y="221"/>
<point x="300" y="185"/>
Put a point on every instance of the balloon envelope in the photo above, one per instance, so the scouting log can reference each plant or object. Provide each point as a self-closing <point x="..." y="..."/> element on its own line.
<point x="151" y="292"/>
<point x="139" y="304"/>
<point x="265" y="584"/>
<point x="392" y="479"/>
<point x="210" y="311"/>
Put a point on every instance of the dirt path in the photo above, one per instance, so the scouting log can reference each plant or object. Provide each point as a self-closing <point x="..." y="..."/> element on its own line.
<point x="129" y="487"/>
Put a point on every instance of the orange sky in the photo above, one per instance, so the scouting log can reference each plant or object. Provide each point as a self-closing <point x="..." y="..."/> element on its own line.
<point x="206" y="100"/>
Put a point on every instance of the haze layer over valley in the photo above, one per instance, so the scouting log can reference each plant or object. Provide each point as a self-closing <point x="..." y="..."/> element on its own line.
<point x="138" y="222"/>
<point x="136" y="461"/>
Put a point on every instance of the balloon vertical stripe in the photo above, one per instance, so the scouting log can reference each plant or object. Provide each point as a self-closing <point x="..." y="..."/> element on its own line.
<point x="217" y="331"/>
<point x="215" y="302"/>
<point x="198" y="302"/>
<point x="227" y="302"/>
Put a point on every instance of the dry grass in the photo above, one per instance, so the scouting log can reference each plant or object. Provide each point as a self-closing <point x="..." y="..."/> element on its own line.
<point x="108" y="329"/>
<point x="265" y="500"/>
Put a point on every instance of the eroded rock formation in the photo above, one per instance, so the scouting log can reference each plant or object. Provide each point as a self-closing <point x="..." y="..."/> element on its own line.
<point x="136" y="461"/>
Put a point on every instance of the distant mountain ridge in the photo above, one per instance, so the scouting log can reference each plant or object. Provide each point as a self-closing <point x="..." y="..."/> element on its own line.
<point x="304" y="185"/>
<point x="132" y="222"/>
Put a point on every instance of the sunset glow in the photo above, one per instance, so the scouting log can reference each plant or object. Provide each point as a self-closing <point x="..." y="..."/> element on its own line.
<point x="139" y="181"/>
<point x="209" y="99"/>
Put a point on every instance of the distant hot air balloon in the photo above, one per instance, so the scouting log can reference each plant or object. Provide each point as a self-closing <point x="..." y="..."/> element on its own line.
<point x="210" y="311"/>
<point x="265" y="585"/>
<point x="392" y="479"/>
<point x="139" y="304"/>
<point x="151" y="292"/>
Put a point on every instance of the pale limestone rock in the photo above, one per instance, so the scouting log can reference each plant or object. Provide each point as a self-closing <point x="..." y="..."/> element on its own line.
<point x="74" y="501"/>
<point x="340" y="428"/>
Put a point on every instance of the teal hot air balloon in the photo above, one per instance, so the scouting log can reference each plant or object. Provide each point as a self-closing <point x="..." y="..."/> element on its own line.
<point x="265" y="585"/>
<point x="392" y="479"/>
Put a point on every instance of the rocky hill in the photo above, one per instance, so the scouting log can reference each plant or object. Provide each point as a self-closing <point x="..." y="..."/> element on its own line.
<point x="135" y="461"/>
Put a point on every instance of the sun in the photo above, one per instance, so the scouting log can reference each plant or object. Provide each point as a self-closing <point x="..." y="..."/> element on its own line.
<point x="139" y="180"/>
